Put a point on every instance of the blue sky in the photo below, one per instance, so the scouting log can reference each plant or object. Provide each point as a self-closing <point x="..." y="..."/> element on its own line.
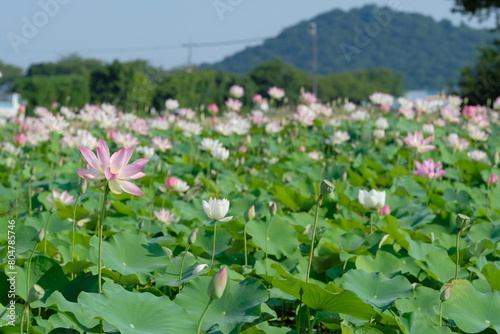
<point x="44" y="30"/>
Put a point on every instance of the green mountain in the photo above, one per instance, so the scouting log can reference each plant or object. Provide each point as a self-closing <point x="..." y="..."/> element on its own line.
<point x="429" y="54"/>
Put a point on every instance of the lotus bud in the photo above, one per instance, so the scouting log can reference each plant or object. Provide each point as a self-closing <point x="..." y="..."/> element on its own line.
<point x="445" y="294"/>
<point x="462" y="221"/>
<point x="250" y="214"/>
<point x="40" y="235"/>
<point x="385" y="210"/>
<point x="171" y="182"/>
<point x="326" y="188"/>
<point x="218" y="284"/>
<point x="496" y="158"/>
<point x="199" y="268"/>
<point x="192" y="236"/>
<point x="273" y="208"/>
<point x="83" y="186"/>
<point x="493" y="179"/>
<point x="35" y="293"/>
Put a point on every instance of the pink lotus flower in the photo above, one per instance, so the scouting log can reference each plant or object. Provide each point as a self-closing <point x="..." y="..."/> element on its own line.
<point x="276" y="93"/>
<point x="257" y="98"/>
<point x="385" y="210"/>
<point x="114" y="169"/>
<point x="64" y="197"/>
<point x="469" y="111"/>
<point x="236" y="91"/>
<point x="493" y="179"/>
<point x="164" y="216"/>
<point x="429" y="169"/>
<point x="175" y="184"/>
<point x="213" y="108"/>
<point x="163" y="144"/>
<point x="385" y="107"/>
<point x="20" y="139"/>
<point x="308" y="98"/>
<point x="233" y="104"/>
<point x="417" y="140"/>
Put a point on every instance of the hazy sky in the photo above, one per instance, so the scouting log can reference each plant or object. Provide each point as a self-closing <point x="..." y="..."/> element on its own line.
<point x="155" y="30"/>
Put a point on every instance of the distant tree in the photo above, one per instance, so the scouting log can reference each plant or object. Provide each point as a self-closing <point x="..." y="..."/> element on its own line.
<point x="69" y="90"/>
<point x="358" y="85"/>
<point x="481" y="9"/>
<point x="10" y="74"/>
<point x="71" y="64"/>
<point x="480" y="83"/>
<point x="280" y="74"/>
<point x="200" y="87"/>
<point x="123" y="85"/>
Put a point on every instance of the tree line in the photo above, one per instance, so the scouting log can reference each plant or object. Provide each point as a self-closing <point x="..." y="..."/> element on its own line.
<point x="138" y="86"/>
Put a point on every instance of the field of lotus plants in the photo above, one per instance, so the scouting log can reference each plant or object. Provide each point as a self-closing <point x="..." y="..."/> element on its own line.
<point x="276" y="217"/>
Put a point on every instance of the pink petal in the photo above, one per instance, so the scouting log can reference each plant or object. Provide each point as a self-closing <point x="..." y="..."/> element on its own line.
<point x="130" y="188"/>
<point x="89" y="174"/>
<point x="103" y="156"/>
<point x="102" y="144"/>
<point x="114" y="186"/>
<point x="110" y="176"/>
<point x="120" y="159"/>
<point x="141" y="162"/>
<point x="90" y="157"/>
<point x="130" y="170"/>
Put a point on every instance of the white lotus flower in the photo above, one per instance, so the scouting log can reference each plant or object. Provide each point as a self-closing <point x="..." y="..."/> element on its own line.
<point x="220" y="153"/>
<point x="217" y="209"/>
<point x="372" y="199"/>
<point x="171" y="104"/>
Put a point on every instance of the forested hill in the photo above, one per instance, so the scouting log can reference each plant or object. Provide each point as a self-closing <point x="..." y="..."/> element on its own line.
<point x="428" y="53"/>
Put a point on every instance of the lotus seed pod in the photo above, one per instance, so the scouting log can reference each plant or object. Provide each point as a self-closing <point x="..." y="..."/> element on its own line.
<point x="35" y="293"/>
<point x="462" y="221"/>
<point x="250" y="214"/>
<point x="218" y="284"/>
<point x="192" y="236"/>
<point x="326" y="188"/>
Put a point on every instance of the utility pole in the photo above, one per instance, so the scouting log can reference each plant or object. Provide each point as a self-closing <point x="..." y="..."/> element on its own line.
<point x="189" y="46"/>
<point x="313" y="30"/>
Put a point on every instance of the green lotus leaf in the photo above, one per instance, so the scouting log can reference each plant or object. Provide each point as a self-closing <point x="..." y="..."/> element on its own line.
<point x="239" y="304"/>
<point x="470" y="309"/>
<point x="375" y="288"/>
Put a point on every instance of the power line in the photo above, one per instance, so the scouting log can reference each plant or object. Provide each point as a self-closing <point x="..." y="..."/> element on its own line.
<point x="222" y="43"/>
<point x="151" y="48"/>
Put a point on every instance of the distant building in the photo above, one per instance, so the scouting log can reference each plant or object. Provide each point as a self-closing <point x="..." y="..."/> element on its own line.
<point x="9" y="105"/>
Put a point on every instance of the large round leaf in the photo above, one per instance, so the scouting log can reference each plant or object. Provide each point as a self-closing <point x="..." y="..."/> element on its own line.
<point x="239" y="304"/>
<point x="281" y="237"/>
<point x="375" y="288"/>
<point x="131" y="254"/>
<point x="472" y="310"/>
<point x="129" y="312"/>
